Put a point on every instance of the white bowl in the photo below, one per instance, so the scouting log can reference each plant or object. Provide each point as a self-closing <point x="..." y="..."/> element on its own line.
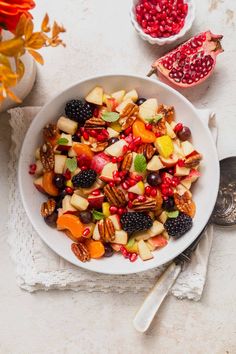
<point x="205" y="190"/>
<point x="161" y="41"/>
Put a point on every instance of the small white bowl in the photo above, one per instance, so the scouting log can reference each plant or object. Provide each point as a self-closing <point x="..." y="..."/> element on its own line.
<point x="161" y="41"/>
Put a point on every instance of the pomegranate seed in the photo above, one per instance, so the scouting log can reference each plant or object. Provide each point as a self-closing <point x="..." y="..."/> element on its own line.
<point x="131" y="196"/>
<point x="141" y="198"/>
<point x="125" y="149"/>
<point x="153" y="192"/>
<point x="69" y="190"/>
<point x="120" y="158"/>
<point x="112" y="184"/>
<point x="122" y="174"/>
<point x="86" y="135"/>
<point x="96" y="192"/>
<point x="170" y="192"/>
<point x="83" y="168"/>
<point x="105" y="132"/>
<point x="158" y="134"/>
<point x="139" y="178"/>
<point x="96" y="112"/>
<point x="113" y="209"/>
<point x="137" y="140"/>
<point x="148" y="191"/>
<point x="114" y="159"/>
<point x="132" y="182"/>
<point x="116" y="174"/>
<point x="181" y="163"/>
<point x="122" y="136"/>
<point x="178" y="127"/>
<point x="148" y="126"/>
<point x="86" y="232"/>
<point x="125" y="186"/>
<point x="33" y="167"/>
<point x="133" y="257"/>
<point x="128" y="131"/>
<point x="120" y="211"/>
<point x="101" y="138"/>
<point x="67" y="174"/>
<point x="93" y="133"/>
<point x="167" y="180"/>
<point x="130" y="204"/>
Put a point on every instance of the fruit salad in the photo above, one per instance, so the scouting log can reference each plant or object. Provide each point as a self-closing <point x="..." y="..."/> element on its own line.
<point x="116" y="170"/>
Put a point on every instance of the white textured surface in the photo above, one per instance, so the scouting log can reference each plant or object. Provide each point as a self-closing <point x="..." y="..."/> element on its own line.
<point x="67" y="322"/>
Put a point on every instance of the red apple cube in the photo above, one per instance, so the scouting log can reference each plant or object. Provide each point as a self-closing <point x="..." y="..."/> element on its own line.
<point x="99" y="161"/>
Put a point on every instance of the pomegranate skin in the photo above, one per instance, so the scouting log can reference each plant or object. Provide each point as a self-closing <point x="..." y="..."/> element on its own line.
<point x="192" y="62"/>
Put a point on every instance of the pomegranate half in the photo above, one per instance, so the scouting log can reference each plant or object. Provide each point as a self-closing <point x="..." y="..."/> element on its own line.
<point x="192" y="62"/>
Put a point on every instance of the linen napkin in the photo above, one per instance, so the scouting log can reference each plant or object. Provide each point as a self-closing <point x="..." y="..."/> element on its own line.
<point x="39" y="268"/>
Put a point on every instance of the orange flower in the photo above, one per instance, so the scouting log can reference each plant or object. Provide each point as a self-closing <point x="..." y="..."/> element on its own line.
<point x="11" y="11"/>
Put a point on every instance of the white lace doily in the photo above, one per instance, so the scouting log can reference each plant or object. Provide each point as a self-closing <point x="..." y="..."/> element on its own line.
<point x="39" y="268"/>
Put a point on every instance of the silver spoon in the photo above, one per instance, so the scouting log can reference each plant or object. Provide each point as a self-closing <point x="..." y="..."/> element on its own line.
<point x="224" y="214"/>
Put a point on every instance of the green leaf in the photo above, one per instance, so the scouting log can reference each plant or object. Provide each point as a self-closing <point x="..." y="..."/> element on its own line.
<point x="140" y="163"/>
<point x="173" y="214"/>
<point x="62" y="141"/>
<point x="155" y="119"/>
<point x="71" y="164"/>
<point x="97" y="215"/>
<point x="110" y="116"/>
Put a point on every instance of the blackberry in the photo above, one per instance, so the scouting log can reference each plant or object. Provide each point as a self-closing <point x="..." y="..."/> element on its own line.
<point x="177" y="227"/>
<point x="133" y="222"/>
<point x="84" y="179"/>
<point x="168" y="204"/>
<point x="78" y="110"/>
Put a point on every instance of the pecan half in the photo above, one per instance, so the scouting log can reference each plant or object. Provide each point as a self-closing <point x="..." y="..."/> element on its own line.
<point x="102" y="228"/>
<point x="147" y="150"/>
<point x="159" y="200"/>
<point x="94" y="123"/>
<point x="127" y="162"/>
<point x="128" y="115"/>
<point x="80" y="251"/>
<point x="185" y="204"/>
<point x="110" y="230"/>
<point x="47" y="157"/>
<point x="47" y="208"/>
<point x="99" y="146"/>
<point x="168" y="112"/>
<point x="159" y="127"/>
<point x="193" y="160"/>
<point x="50" y="132"/>
<point x="148" y="204"/>
<point x="114" y="196"/>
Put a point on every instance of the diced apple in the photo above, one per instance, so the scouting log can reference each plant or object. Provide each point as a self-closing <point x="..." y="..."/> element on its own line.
<point x="123" y="105"/>
<point x="67" y="145"/>
<point x="170" y="161"/>
<point x="59" y="163"/>
<point x="187" y="148"/>
<point x="132" y="168"/>
<point x="99" y="161"/>
<point x="72" y="153"/>
<point x="193" y="175"/>
<point x="142" y="235"/>
<point x="116" y="126"/>
<point x="144" y="251"/>
<point x="166" y="235"/>
<point x="116" y="221"/>
<point x="95" y="201"/>
<point x="187" y="184"/>
<point x="67" y="207"/>
<point x="116" y="247"/>
<point x="118" y="95"/>
<point x="116" y="149"/>
<point x="157" y="241"/>
<point x="163" y="217"/>
<point x="148" y="109"/>
<point x="79" y="202"/>
<point x="156" y="229"/>
<point x="180" y="189"/>
<point x="37" y="154"/>
<point x="96" y="235"/>
<point x="107" y="172"/>
<point x="178" y="150"/>
<point x="150" y="246"/>
<point x="39" y="168"/>
<point x="155" y="164"/>
<point x="95" y="96"/>
<point x="138" y="188"/>
<point x="105" y="97"/>
<point x="112" y="133"/>
<point x="133" y="95"/>
<point x="67" y="125"/>
<point x="173" y="124"/>
<point x="121" y="237"/>
<point x="181" y="171"/>
<point x="170" y="131"/>
<point x="38" y="183"/>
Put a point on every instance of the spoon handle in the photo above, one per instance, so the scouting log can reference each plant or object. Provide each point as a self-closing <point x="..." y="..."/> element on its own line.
<point x="154" y="299"/>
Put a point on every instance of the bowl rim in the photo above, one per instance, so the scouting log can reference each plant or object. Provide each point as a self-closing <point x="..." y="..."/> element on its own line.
<point x="161" y="41"/>
<point x="34" y="123"/>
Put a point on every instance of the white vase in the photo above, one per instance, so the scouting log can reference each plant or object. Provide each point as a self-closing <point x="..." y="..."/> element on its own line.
<point x="24" y="86"/>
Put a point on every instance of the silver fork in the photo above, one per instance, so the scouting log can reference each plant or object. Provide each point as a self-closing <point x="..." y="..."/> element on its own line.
<point x="154" y="299"/>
